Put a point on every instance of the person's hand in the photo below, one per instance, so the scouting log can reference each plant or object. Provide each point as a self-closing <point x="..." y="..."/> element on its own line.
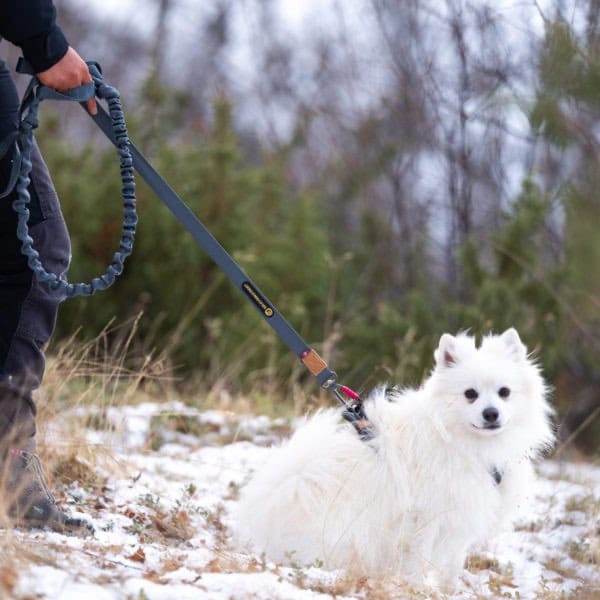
<point x="68" y="73"/>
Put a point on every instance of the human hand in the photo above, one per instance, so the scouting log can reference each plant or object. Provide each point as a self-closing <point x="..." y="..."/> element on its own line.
<point x="68" y="73"/>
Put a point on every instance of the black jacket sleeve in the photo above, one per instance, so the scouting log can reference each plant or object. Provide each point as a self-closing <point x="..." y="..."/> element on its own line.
<point x="31" y="25"/>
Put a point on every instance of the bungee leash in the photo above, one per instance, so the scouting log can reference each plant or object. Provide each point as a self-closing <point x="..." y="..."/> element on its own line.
<point x="21" y="144"/>
<point x="113" y="126"/>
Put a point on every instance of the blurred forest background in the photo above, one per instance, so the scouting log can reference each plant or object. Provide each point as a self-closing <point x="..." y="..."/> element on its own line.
<point x="385" y="170"/>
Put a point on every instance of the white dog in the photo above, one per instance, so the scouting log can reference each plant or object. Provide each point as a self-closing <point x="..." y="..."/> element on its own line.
<point x="448" y="465"/>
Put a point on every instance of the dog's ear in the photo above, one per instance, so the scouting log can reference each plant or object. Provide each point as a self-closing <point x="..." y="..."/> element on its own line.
<point x="445" y="355"/>
<point x="513" y="343"/>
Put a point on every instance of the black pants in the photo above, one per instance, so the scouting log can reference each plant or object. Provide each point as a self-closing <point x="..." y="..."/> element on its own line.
<point x="27" y="308"/>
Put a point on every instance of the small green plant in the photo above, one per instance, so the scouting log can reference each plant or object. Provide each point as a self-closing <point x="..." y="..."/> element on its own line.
<point x="140" y="528"/>
<point x="149" y="500"/>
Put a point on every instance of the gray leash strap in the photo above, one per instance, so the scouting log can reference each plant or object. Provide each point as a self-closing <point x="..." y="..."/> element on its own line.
<point x="221" y="257"/>
<point x="353" y="408"/>
<point x="22" y="146"/>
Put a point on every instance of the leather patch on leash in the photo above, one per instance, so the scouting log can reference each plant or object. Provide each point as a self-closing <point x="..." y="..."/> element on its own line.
<point x="313" y="362"/>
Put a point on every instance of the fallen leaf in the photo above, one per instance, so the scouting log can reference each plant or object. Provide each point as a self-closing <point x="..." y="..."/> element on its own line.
<point x="138" y="556"/>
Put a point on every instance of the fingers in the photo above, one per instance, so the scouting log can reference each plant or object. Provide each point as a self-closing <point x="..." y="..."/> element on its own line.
<point x="91" y="106"/>
<point x="68" y="73"/>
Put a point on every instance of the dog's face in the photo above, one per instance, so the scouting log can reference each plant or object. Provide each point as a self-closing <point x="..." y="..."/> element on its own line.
<point x="490" y="389"/>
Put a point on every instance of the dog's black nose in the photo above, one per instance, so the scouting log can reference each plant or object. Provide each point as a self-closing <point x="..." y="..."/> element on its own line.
<point x="490" y="414"/>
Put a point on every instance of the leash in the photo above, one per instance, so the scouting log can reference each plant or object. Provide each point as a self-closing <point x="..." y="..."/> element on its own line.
<point x="21" y="144"/>
<point x="113" y="126"/>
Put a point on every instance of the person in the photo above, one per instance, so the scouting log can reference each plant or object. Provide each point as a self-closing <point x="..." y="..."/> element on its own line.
<point x="28" y="308"/>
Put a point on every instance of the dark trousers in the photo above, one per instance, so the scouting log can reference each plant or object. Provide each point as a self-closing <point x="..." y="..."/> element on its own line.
<point x="27" y="308"/>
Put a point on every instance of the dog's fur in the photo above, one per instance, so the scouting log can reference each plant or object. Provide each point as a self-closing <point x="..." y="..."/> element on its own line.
<point x="436" y="479"/>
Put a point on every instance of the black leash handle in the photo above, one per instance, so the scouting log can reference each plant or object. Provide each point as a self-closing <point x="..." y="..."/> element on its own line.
<point x="22" y="146"/>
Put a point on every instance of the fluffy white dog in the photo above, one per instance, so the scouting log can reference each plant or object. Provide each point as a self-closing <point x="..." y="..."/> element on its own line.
<point x="448" y="465"/>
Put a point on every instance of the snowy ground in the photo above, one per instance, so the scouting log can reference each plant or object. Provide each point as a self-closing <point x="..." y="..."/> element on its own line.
<point x="159" y="482"/>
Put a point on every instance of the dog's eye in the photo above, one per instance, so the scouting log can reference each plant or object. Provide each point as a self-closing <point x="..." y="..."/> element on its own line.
<point x="471" y="394"/>
<point x="504" y="392"/>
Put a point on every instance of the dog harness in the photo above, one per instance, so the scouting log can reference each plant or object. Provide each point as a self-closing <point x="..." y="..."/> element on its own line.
<point x="497" y="475"/>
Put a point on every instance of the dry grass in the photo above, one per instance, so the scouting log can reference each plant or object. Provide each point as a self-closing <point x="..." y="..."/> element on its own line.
<point x="84" y="382"/>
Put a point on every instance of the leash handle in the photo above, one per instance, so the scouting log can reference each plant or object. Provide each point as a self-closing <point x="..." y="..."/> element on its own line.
<point x="23" y="144"/>
<point x="36" y="90"/>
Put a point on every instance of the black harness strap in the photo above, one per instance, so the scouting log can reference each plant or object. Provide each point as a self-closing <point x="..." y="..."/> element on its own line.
<point x="496" y="475"/>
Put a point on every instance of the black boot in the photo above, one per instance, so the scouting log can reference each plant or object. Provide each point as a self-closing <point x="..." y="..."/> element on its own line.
<point x="28" y="501"/>
<point x="24" y="495"/>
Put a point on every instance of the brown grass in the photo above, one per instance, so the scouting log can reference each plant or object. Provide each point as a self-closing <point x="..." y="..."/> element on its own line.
<point x="83" y="383"/>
